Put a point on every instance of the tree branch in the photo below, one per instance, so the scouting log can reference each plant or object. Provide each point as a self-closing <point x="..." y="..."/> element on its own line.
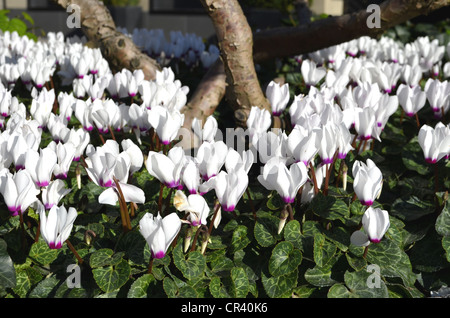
<point x="289" y="41"/>
<point x="207" y="96"/>
<point x="235" y="40"/>
<point x="120" y="51"/>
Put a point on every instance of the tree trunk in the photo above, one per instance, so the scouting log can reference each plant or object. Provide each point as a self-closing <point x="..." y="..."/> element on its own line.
<point x="235" y="40"/>
<point x="118" y="49"/>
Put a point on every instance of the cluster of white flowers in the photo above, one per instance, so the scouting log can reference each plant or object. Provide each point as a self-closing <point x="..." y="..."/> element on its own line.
<point x="188" y="48"/>
<point x="354" y="88"/>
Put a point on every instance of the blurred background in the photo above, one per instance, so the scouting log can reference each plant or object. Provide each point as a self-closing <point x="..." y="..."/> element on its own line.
<point x="188" y="16"/>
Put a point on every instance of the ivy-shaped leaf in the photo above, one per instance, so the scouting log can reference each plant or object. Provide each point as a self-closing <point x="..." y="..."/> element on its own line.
<point x="104" y="257"/>
<point x="217" y="288"/>
<point x="170" y="287"/>
<point x="323" y="276"/>
<point x="323" y="250"/>
<point x="239" y="239"/>
<point x="41" y="253"/>
<point x="191" y="267"/>
<point x="265" y="230"/>
<point x="240" y="281"/>
<point x="284" y="259"/>
<point x="7" y="270"/>
<point x="443" y="221"/>
<point x="292" y="233"/>
<point x="360" y="284"/>
<point x="393" y="261"/>
<point x="280" y="286"/>
<point x="329" y="207"/>
<point x="411" y="208"/>
<point x="111" y="278"/>
<point x="45" y="287"/>
<point x="139" y="287"/>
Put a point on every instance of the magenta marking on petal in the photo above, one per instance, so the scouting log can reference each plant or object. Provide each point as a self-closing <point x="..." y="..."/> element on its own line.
<point x="375" y="240"/>
<point x="58" y="245"/>
<point x="276" y="113"/>
<point x="61" y="176"/>
<point x="90" y="128"/>
<point x="159" y="254"/>
<point x="367" y="203"/>
<point x="14" y="210"/>
<point x="48" y="206"/>
<point x="80" y="76"/>
<point x="172" y="184"/>
<point x="5" y="114"/>
<point x="326" y="161"/>
<point x="106" y="184"/>
<point x="367" y="137"/>
<point x="42" y="183"/>
<point x="379" y="124"/>
<point x="228" y="208"/>
<point x="76" y="159"/>
<point x="288" y="200"/>
<point x="19" y="167"/>
<point x="192" y="191"/>
<point x="430" y="160"/>
<point x="51" y="245"/>
<point x="342" y="155"/>
<point x="410" y="114"/>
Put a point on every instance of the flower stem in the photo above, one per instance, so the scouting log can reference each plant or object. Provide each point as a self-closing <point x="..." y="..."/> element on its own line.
<point x="194" y="242"/>
<point x="167" y="204"/>
<point x="150" y="265"/>
<point x="366" y="249"/>
<point x="290" y="211"/>
<point x="112" y="133"/>
<point x="436" y="178"/>
<point x="126" y="224"/>
<point x="313" y="175"/>
<point x="161" y="188"/>
<point x="38" y="232"/>
<point x="74" y="251"/>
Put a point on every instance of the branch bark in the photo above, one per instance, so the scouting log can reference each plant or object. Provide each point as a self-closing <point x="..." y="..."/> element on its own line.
<point x="120" y="51"/>
<point x="207" y="96"/>
<point x="290" y="41"/>
<point x="235" y="40"/>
